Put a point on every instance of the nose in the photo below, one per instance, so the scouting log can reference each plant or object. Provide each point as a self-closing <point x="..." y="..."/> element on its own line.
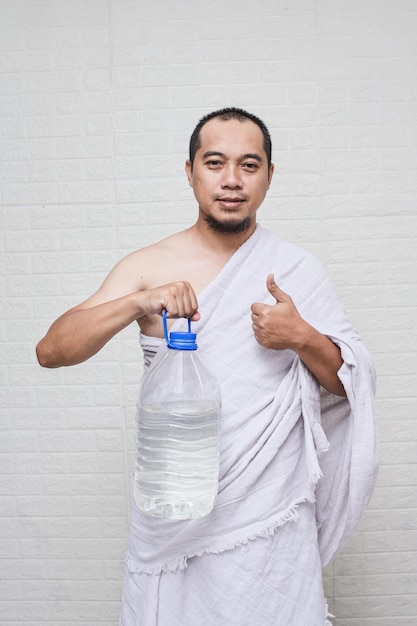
<point x="231" y="177"/>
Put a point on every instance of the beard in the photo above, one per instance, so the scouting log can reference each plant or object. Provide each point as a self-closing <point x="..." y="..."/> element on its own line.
<point x="230" y="227"/>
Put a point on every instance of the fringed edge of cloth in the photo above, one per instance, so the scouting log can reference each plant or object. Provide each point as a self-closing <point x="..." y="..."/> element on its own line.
<point x="289" y="515"/>
<point x="327" y="614"/>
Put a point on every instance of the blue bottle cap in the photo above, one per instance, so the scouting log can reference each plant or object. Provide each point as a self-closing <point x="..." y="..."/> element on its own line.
<point x="179" y="340"/>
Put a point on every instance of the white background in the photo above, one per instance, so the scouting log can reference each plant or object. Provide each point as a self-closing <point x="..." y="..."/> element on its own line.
<point x="97" y="101"/>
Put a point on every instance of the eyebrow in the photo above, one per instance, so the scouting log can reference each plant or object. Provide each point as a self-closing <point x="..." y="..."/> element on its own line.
<point x="248" y="155"/>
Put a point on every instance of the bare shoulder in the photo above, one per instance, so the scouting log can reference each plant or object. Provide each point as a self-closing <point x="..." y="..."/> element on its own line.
<point x="133" y="272"/>
<point x="163" y="261"/>
<point x="142" y="269"/>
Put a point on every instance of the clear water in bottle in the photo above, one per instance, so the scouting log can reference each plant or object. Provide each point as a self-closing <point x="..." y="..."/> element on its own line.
<point x="177" y="459"/>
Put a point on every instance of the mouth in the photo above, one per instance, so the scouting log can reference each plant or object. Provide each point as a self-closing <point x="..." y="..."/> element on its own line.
<point x="231" y="202"/>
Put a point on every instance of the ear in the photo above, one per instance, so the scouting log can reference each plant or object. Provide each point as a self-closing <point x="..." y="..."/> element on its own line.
<point x="189" y="172"/>
<point x="270" y="173"/>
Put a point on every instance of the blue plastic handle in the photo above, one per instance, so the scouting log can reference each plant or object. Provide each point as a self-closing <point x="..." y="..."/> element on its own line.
<point x="164" y="322"/>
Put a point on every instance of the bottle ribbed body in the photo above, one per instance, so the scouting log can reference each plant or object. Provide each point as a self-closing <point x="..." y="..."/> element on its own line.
<point x="177" y="456"/>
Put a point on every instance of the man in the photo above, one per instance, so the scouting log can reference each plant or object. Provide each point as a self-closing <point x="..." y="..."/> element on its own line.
<point x="271" y="328"/>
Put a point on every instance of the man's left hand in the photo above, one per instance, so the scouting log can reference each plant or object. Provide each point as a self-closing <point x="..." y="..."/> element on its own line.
<point x="277" y="326"/>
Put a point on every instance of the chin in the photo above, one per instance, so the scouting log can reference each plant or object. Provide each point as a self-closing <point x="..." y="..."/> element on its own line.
<point x="230" y="226"/>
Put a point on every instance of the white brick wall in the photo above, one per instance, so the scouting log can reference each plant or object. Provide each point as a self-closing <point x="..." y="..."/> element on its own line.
<point x="97" y="100"/>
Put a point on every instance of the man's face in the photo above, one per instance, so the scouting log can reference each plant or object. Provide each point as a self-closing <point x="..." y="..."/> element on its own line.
<point x="230" y="174"/>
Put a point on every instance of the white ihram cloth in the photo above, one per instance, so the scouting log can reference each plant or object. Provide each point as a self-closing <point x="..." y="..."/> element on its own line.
<point x="297" y="466"/>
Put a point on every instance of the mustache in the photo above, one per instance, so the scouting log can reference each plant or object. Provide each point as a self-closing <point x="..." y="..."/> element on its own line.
<point x="232" y="197"/>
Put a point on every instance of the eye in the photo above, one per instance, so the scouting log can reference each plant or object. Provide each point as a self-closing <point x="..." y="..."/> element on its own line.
<point x="251" y="167"/>
<point x="213" y="163"/>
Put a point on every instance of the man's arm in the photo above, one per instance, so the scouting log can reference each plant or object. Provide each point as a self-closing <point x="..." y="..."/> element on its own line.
<point x="280" y="327"/>
<point x="83" y="330"/>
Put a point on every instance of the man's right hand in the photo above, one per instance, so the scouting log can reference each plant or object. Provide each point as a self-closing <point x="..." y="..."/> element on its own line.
<point x="82" y="331"/>
<point x="178" y="299"/>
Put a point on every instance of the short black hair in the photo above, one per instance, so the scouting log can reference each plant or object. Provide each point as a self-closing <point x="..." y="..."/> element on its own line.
<point x="230" y="113"/>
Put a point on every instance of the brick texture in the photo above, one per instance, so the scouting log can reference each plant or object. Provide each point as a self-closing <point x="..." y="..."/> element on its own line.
<point x="97" y="100"/>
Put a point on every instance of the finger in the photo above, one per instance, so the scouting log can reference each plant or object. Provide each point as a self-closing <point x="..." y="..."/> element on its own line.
<point x="190" y="304"/>
<point x="181" y="306"/>
<point x="256" y="309"/>
<point x="274" y="290"/>
<point x="255" y="317"/>
<point x="193" y="303"/>
<point x="171" y="308"/>
<point x="195" y="316"/>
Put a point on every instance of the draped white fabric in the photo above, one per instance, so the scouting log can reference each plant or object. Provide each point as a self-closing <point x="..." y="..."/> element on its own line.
<point x="276" y="460"/>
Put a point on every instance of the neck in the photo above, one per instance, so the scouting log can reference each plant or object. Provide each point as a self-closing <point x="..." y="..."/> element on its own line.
<point x="225" y="242"/>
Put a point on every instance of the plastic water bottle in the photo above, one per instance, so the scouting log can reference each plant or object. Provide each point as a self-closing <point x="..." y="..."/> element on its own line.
<point x="177" y="460"/>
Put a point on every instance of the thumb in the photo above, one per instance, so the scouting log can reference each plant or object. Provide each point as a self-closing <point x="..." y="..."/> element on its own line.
<point x="274" y="290"/>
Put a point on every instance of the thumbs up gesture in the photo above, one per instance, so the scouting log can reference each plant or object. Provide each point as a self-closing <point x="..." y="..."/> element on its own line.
<point x="278" y="326"/>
